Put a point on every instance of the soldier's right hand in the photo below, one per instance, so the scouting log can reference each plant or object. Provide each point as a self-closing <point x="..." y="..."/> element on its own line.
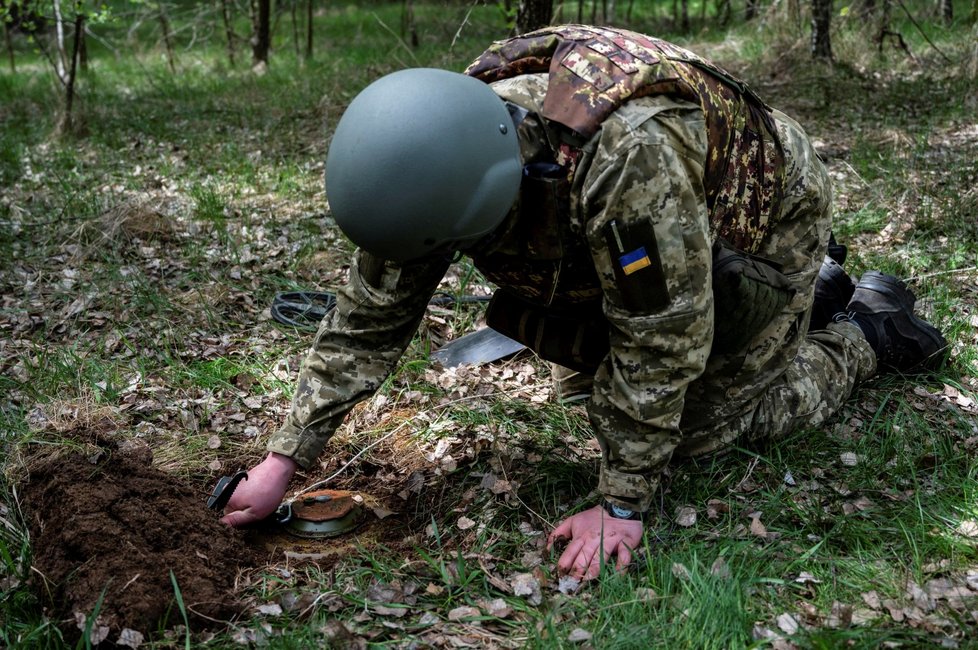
<point x="262" y="493"/>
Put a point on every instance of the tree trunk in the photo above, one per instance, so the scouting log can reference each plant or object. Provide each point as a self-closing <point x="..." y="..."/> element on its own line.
<point x="8" y="35"/>
<point x="67" y="122"/>
<point x="83" y="52"/>
<point x="724" y="12"/>
<point x="260" y="40"/>
<point x="167" y="37"/>
<point x="884" y="24"/>
<point x="59" y="42"/>
<point x="750" y="10"/>
<point x="408" y="25"/>
<point x="684" y="18"/>
<point x="972" y="67"/>
<point x="295" y="27"/>
<point x="308" y="29"/>
<point x="794" y="12"/>
<point x="228" y="30"/>
<point x="821" y="21"/>
<point x="947" y="11"/>
<point x="533" y="14"/>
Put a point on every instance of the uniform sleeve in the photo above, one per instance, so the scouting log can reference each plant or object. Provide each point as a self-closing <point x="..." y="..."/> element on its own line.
<point x="649" y="233"/>
<point x="357" y="346"/>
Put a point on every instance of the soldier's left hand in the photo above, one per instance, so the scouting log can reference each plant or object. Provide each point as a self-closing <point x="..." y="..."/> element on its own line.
<point x="594" y="537"/>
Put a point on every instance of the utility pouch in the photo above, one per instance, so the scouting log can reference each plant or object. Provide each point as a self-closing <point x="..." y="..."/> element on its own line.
<point x="575" y="339"/>
<point x="544" y="208"/>
<point x="748" y="292"/>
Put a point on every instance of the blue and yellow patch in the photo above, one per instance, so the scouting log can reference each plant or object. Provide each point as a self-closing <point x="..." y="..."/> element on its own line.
<point x="635" y="261"/>
<point x="639" y="279"/>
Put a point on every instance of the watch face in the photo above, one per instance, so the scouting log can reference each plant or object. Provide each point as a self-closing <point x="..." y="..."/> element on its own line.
<point x="621" y="513"/>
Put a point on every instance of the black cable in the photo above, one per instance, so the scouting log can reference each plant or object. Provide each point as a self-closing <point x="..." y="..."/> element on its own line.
<point x="302" y="309"/>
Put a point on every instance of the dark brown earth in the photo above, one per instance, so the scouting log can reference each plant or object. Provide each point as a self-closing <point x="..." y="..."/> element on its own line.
<point x="114" y="522"/>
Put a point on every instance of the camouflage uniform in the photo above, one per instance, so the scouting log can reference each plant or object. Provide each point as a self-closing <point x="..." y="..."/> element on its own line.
<point x="662" y="388"/>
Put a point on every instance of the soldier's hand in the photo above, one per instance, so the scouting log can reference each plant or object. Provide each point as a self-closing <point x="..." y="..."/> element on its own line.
<point x="262" y="493"/>
<point x="594" y="537"/>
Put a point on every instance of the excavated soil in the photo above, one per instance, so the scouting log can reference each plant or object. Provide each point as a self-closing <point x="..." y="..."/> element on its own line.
<point x="116" y="523"/>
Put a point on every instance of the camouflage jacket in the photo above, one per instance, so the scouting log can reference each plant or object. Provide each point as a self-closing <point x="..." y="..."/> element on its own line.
<point x="643" y="176"/>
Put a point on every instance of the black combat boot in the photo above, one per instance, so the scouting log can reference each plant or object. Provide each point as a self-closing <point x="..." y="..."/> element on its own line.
<point x="833" y="291"/>
<point x="882" y="307"/>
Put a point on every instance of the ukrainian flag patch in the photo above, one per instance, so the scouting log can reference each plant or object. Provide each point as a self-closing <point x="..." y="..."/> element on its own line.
<point x="632" y="248"/>
<point x="637" y="260"/>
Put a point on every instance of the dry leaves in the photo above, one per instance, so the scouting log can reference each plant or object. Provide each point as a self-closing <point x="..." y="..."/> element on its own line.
<point x="579" y="635"/>
<point x="130" y="638"/>
<point x="463" y="612"/>
<point x="527" y="585"/>
<point x="686" y="516"/>
<point x="757" y="528"/>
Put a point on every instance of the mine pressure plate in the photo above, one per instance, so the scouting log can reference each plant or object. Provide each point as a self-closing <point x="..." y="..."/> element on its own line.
<point x="326" y="513"/>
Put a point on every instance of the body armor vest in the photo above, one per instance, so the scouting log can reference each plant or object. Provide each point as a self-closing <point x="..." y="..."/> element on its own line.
<point x="593" y="71"/>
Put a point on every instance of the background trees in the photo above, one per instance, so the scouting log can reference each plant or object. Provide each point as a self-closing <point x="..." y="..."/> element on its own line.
<point x="49" y="26"/>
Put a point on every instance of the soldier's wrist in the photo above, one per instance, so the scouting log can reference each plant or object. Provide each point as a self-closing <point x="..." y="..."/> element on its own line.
<point x="618" y="511"/>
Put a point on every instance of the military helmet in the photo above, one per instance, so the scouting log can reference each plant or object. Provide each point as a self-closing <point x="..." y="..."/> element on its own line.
<point x="422" y="160"/>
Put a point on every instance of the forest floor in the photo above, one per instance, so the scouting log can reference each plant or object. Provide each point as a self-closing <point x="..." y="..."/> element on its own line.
<point x="140" y="363"/>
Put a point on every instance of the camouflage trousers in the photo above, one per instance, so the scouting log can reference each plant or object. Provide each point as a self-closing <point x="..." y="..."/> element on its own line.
<point x="788" y="378"/>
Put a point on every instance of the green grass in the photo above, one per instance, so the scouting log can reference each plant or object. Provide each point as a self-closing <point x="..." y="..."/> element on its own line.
<point x="232" y="163"/>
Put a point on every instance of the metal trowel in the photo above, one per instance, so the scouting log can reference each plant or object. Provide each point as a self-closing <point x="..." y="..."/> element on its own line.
<point x="479" y="347"/>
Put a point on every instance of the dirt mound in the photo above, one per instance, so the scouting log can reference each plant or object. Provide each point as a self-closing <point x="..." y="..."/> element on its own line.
<point x="116" y="523"/>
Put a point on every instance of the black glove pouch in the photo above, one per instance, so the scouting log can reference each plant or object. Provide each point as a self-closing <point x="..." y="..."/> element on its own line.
<point x="577" y="339"/>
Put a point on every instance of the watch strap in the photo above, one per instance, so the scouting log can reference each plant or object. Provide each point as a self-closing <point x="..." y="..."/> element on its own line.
<point x="618" y="512"/>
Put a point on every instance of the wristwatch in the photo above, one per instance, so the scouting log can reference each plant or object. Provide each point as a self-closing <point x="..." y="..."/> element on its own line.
<point x="618" y="512"/>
